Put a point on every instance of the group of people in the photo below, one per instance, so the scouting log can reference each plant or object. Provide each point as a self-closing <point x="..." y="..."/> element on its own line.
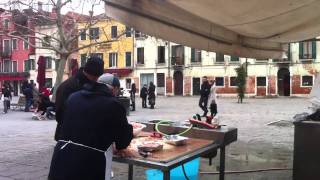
<point x="145" y="93"/>
<point x="149" y="93"/>
<point x="208" y="94"/>
<point x="91" y="125"/>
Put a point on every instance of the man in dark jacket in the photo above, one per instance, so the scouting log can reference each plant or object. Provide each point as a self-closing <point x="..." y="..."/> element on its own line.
<point x="143" y="95"/>
<point x="94" y="119"/>
<point x="152" y="95"/>
<point x="91" y="71"/>
<point x="27" y="90"/>
<point x="7" y="97"/>
<point x="133" y="96"/>
<point x="204" y="95"/>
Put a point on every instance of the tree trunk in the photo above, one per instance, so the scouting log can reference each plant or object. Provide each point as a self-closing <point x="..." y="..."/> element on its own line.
<point x="60" y="73"/>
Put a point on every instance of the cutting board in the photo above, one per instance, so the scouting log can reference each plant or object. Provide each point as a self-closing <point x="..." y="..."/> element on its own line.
<point x="169" y="152"/>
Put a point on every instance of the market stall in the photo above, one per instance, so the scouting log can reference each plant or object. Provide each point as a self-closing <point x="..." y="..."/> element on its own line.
<point x="200" y="142"/>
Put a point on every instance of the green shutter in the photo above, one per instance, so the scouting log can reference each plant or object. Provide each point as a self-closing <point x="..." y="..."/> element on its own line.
<point x="300" y="50"/>
<point x="193" y="54"/>
<point x="289" y="52"/>
<point x="314" y="49"/>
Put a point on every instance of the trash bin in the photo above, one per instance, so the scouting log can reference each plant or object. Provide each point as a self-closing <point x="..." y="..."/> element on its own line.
<point x="191" y="168"/>
<point x="125" y="101"/>
<point x="306" y="156"/>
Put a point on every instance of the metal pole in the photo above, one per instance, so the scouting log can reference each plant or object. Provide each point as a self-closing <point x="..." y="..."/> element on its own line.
<point x="166" y="175"/>
<point x="222" y="162"/>
<point x="130" y="173"/>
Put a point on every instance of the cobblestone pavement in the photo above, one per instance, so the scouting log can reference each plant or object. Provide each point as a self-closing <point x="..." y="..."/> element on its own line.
<point x="26" y="145"/>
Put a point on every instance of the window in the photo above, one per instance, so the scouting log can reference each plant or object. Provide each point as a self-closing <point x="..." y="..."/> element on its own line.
<point x="6" y="23"/>
<point x="128" y="31"/>
<point x="83" y="35"/>
<point x="7" y="66"/>
<point x="140" y="55"/>
<point x="219" y="57"/>
<point x="307" y="50"/>
<point x="261" y="81"/>
<point x="0" y="67"/>
<point x="46" y="41"/>
<point x="14" y="66"/>
<point x="234" y="59"/>
<point x="99" y="55"/>
<point x="137" y="34"/>
<point x="94" y="33"/>
<point x="6" y="47"/>
<point x="48" y="62"/>
<point x="113" y="59"/>
<point x="48" y="82"/>
<point x="233" y="81"/>
<point x="83" y="59"/>
<point x="161" y="54"/>
<point x="57" y="62"/>
<point x="114" y="32"/>
<point x="307" y="81"/>
<point x="195" y="55"/>
<point x="128" y="83"/>
<point x="219" y="81"/>
<point x="26" y="43"/>
<point x="177" y="54"/>
<point x="128" y="59"/>
<point x="32" y="64"/>
<point x="160" y="79"/>
<point x="14" y="44"/>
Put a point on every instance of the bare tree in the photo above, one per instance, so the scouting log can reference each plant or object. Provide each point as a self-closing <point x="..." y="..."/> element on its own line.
<point x="29" y="19"/>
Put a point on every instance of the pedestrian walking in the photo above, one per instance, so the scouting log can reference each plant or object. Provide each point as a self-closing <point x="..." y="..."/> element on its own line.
<point x="204" y="95"/>
<point x="213" y="99"/>
<point x="6" y="98"/>
<point x="94" y="120"/>
<point x="133" y="96"/>
<point x="91" y="72"/>
<point x="143" y="95"/>
<point x="27" y="91"/>
<point x="152" y="95"/>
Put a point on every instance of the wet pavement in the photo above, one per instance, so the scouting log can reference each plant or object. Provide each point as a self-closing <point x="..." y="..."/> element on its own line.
<point x="26" y="145"/>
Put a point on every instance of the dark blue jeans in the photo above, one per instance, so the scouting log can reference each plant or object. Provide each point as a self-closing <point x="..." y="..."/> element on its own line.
<point x="29" y="102"/>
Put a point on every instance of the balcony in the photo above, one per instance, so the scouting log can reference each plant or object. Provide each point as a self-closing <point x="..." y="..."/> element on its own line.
<point x="177" y="61"/>
<point x="6" y="54"/>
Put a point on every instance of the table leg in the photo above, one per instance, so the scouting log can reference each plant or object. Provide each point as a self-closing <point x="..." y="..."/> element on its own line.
<point x="166" y="175"/>
<point x="222" y="162"/>
<point x="130" y="172"/>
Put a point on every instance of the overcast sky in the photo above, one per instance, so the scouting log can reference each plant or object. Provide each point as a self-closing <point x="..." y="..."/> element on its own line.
<point x="80" y="6"/>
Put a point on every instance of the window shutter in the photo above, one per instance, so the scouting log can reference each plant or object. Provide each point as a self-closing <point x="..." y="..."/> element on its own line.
<point x="300" y="50"/>
<point x="193" y="54"/>
<point x="110" y="59"/>
<point x="314" y="49"/>
<point x="289" y="52"/>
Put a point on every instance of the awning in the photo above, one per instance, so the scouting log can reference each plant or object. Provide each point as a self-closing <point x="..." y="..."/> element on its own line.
<point x="252" y="28"/>
<point x="118" y="71"/>
<point x="14" y="76"/>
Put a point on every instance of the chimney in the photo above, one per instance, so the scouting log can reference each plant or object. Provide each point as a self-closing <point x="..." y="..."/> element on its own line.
<point x="39" y="6"/>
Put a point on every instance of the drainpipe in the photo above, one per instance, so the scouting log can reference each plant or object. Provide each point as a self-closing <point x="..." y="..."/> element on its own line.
<point x="169" y="60"/>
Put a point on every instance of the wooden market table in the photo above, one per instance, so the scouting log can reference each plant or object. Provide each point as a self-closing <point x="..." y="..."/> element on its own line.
<point x="201" y="142"/>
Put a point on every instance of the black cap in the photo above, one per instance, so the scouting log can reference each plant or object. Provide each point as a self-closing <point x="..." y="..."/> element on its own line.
<point x="94" y="66"/>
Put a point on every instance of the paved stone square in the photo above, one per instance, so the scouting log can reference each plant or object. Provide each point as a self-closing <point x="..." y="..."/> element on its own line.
<point x="26" y="145"/>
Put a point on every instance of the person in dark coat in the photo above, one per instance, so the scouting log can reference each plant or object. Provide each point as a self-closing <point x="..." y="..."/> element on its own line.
<point x="204" y="95"/>
<point x="7" y="97"/>
<point x="143" y="95"/>
<point x="94" y="120"/>
<point x="91" y="71"/>
<point x="133" y="96"/>
<point x="152" y="95"/>
<point x="27" y="90"/>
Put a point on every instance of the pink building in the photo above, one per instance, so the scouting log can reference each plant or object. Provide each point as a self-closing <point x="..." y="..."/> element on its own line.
<point x="15" y="54"/>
